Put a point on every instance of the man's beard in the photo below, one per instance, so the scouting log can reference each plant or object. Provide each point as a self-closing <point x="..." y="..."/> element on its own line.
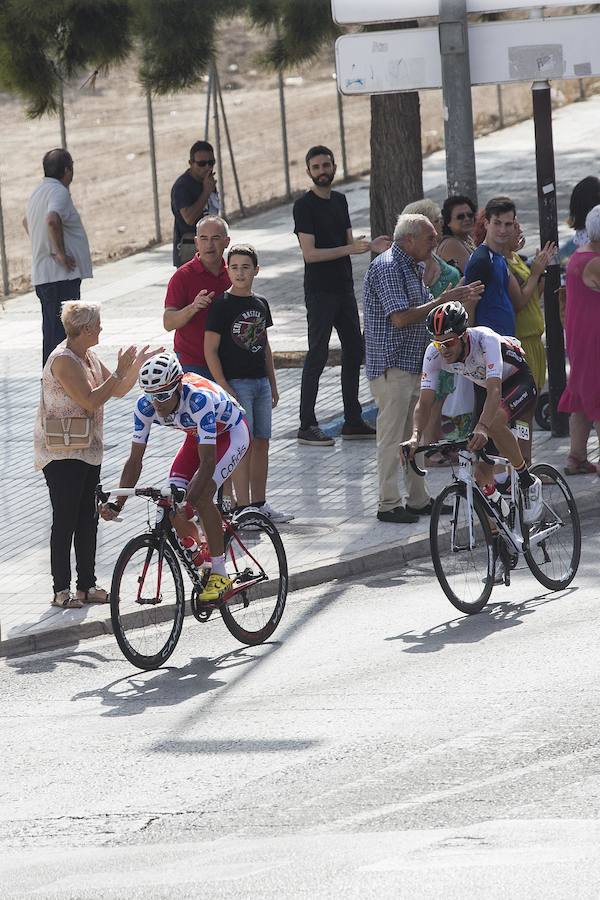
<point x="320" y="181"/>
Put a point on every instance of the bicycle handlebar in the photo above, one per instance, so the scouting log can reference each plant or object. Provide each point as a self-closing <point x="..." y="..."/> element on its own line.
<point x="443" y="447"/>
<point x="177" y="493"/>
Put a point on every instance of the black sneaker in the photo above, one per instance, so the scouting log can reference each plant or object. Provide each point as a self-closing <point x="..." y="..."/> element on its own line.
<point x="362" y="432"/>
<point x="426" y="510"/>
<point x="399" y="516"/>
<point x="315" y="437"/>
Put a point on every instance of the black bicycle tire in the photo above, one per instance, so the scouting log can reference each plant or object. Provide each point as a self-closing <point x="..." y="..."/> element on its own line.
<point x="443" y="498"/>
<point x="245" y="636"/>
<point x="554" y="584"/>
<point x="135" y="658"/>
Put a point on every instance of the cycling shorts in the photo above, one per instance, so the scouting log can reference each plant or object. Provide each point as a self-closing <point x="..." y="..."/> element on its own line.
<point x="519" y="394"/>
<point x="231" y="447"/>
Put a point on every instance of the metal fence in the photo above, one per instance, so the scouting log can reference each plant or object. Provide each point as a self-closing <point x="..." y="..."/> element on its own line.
<point x="129" y="148"/>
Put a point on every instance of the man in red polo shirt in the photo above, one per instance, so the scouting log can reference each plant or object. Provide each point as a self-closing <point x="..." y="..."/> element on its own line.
<point x="191" y="290"/>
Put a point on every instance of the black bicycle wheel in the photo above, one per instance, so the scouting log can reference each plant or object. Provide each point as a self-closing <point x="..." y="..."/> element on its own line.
<point x="465" y="573"/>
<point x="147" y="602"/>
<point x="254" y="554"/>
<point x="555" y="560"/>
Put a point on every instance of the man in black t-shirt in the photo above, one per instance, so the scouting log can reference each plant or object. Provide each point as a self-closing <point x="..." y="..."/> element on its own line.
<point x="193" y="196"/>
<point x="239" y="357"/>
<point x="322" y="224"/>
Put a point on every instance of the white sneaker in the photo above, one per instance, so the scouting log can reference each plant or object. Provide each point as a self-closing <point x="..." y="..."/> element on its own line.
<point x="533" y="504"/>
<point x="276" y="515"/>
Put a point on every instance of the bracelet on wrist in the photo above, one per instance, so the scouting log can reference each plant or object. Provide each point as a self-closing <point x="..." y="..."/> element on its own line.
<point x="116" y="376"/>
<point x="483" y="425"/>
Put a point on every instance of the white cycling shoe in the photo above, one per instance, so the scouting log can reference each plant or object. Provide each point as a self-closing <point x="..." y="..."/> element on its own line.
<point x="533" y="503"/>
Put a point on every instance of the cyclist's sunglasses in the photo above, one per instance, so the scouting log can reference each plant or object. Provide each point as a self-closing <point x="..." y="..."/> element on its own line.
<point x="161" y="396"/>
<point x="451" y="342"/>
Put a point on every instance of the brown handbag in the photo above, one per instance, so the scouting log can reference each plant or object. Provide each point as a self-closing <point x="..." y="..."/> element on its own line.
<point x="64" y="433"/>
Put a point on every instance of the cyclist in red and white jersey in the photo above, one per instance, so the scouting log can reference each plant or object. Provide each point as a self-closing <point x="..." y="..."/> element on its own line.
<point x="506" y="389"/>
<point x="217" y="437"/>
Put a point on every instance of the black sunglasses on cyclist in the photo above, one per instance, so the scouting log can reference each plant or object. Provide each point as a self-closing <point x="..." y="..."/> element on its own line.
<point x="162" y="396"/>
<point x="204" y="162"/>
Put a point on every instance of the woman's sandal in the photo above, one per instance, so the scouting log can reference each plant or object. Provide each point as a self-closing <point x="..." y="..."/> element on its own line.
<point x="94" y="595"/>
<point x="579" y="467"/>
<point x="66" y="600"/>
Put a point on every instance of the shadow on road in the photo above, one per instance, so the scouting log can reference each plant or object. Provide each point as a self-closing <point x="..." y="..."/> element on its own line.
<point x="169" y="686"/>
<point x="41" y="665"/>
<point x="472" y="629"/>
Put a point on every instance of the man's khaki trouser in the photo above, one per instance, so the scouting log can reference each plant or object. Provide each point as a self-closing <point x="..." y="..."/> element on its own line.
<point x="396" y="393"/>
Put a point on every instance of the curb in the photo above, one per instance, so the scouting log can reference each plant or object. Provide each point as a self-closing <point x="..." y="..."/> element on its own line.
<point x="357" y="564"/>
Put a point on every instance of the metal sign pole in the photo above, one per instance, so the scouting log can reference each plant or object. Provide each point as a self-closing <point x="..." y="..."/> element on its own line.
<point x="218" y="147"/>
<point x="546" y="186"/>
<point x="458" y="110"/>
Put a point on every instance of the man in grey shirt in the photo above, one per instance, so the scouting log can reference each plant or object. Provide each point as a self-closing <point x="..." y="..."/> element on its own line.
<point x="59" y="245"/>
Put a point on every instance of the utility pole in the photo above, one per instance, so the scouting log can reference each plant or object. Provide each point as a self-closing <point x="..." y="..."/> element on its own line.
<point x="457" y="105"/>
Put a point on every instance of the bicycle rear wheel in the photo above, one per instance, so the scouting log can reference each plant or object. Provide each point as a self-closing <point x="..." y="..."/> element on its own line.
<point x="465" y="572"/>
<point x="147" y="601"/>
<point x="254" y="554"/>
<point x="554" y="561"/>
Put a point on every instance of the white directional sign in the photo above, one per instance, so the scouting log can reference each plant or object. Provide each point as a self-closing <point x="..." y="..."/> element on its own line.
<point x="364" y="12"/>
<point x="381" y="62"/>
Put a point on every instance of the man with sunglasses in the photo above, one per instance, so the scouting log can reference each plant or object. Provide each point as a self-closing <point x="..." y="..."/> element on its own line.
<point x="193" y="195"/>
<point x="217" y="437"/>
<point x="505" y="389"/>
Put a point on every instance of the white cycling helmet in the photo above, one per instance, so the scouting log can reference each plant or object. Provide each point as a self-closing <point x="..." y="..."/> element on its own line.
<point x="160" y="373"/>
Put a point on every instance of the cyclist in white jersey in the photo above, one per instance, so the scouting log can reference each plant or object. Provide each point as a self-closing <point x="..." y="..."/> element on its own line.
<point x="217" y="437"/>
<point x="506" y="389"/>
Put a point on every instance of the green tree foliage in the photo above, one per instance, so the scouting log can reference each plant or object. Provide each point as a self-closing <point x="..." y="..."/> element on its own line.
<point x="45" y="43"/>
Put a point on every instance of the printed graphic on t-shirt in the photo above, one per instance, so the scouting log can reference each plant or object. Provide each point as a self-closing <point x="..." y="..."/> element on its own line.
<point x="249" y="331"/>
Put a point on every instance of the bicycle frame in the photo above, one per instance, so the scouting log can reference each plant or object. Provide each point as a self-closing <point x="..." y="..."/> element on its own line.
<point x="167" y="502"/>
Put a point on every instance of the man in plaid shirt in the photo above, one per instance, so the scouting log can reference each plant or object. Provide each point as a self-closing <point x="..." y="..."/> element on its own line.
<point x="396" y="302"/>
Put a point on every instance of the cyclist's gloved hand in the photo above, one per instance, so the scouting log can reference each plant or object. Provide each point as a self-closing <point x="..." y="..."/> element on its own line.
<point x="407" y="449"/>
<point x="478" y="439"/>
<point x="109" y="511"/>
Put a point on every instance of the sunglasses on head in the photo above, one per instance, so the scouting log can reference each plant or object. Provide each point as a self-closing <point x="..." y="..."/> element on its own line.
<point x="451" y="342"/>
<point x="204" y="162"/>
<point x="464" y="215"/>
<point x="161" y="396"/>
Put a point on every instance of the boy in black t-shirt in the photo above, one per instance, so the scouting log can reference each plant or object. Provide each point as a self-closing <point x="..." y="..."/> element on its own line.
<point x="239" y="357"/>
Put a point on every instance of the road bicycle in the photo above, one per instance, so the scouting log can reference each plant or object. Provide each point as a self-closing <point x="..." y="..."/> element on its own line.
<point x="469" y="542"/>
<point x="147" y="594"/>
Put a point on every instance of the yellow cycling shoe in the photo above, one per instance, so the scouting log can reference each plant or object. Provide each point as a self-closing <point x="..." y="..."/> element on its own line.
<point x="216" y="587"/>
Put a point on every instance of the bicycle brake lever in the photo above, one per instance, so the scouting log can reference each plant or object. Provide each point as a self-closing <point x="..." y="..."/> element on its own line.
<point x="412" y="462"/>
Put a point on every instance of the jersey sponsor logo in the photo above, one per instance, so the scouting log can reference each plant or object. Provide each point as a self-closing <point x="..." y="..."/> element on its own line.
<point x="491" y="365"/>
<point x="208" y="422"/>
<point x="145" y="407"/>
<point x="226" y="414"/>
<point x="197" y="401"/>
<point x="187" y="421"/>
<point x="138" y="425"/>
<point x="513" y="403"/>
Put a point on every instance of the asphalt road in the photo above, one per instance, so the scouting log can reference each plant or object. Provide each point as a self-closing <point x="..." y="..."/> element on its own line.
<point x="381" y="745"/>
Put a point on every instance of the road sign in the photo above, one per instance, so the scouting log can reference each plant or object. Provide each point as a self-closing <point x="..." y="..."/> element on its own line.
<point x="359" y="12"/>
<point x="529" y="50"/>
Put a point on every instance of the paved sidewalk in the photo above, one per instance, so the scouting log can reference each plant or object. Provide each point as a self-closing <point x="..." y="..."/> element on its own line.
<point x="331" y="490"/>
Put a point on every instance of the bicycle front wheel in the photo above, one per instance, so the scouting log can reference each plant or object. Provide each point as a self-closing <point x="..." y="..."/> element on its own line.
<point x="462" y="549"/>
<point x="255" y="556"/>
<point x="147" y="601"/>
<point x="555" y="560"/>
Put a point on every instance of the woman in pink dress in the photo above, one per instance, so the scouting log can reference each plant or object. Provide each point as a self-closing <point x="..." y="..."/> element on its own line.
<point x="581" y="396"/>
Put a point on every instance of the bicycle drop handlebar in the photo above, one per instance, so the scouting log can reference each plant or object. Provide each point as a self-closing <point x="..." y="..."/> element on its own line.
<point x="178" y="494"/>
<point x="443" y="447"/>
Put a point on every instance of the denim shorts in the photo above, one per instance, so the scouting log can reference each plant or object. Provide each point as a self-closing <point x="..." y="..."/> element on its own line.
<point x="256" y="398"/>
